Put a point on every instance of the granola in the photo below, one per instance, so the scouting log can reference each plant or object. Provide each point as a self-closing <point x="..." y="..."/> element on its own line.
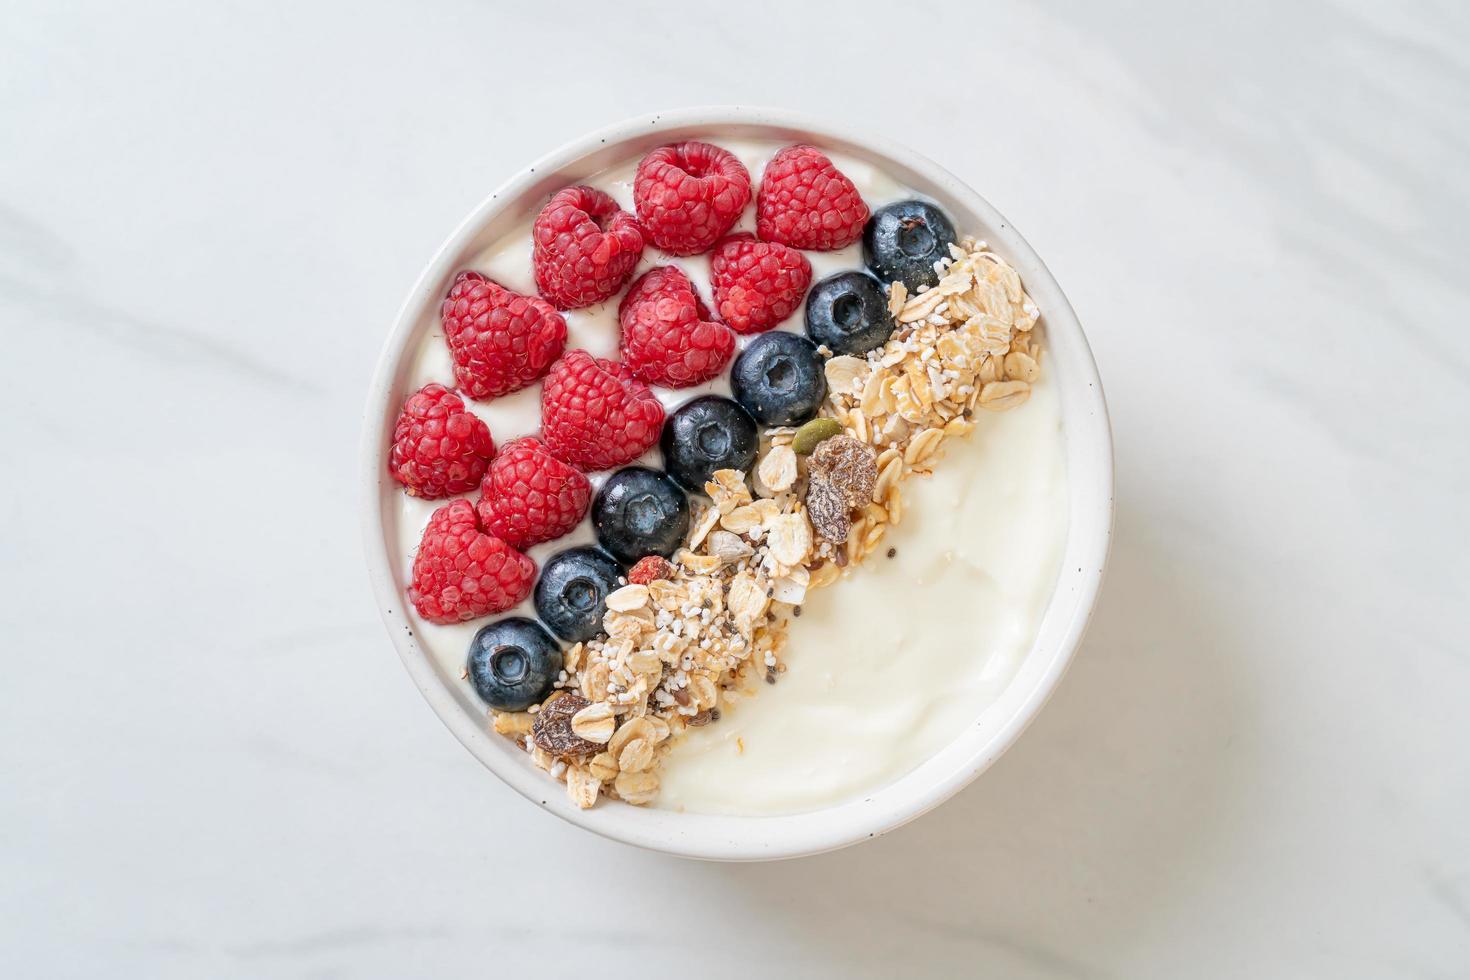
<point x="674" y="650"/>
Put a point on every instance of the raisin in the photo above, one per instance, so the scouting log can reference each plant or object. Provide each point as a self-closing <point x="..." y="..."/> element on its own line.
<point x="828" y="510"/>
<point x="848" y="465"/>
<point x="552" y="729"/>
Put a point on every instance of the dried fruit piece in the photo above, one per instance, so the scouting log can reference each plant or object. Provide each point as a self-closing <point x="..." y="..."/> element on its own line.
<point x="651" y="568"/>
<point x="809" y="436"/>
<point x="828" y="510"/>
<point x="552" y="730"/>
<point x="848" y="465"/>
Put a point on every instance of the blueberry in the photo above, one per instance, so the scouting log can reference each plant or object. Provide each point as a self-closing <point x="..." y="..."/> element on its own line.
<point x="640" y="512"/>
<point x="707" y="434"/>
<point x="571" y="594"/>
<point x="903" y="241"/>
<point x="779" y="379"/>
<point x="849" y="313"/>
<point x="513" y="663"/>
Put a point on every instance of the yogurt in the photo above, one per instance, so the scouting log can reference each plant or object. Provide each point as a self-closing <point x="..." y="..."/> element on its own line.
<point x="883" y="667"/>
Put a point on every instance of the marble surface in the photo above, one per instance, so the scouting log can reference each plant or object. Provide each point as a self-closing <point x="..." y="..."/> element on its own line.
<point x="211" y="762"/>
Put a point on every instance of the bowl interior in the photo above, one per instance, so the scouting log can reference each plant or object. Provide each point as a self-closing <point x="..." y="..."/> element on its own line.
<point x="1087" y="449"/>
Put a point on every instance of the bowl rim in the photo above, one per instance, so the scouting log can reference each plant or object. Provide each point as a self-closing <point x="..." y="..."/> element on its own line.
<point x="729" y="838"/>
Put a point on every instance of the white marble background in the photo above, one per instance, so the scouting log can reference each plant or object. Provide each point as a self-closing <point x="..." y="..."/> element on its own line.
<point x="211" y="763"/>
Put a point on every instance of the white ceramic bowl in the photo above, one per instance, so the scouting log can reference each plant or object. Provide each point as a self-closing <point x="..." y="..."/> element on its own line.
<point x="1089" y="477"/>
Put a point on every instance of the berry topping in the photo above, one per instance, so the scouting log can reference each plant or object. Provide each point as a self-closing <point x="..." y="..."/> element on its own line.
<point x="902" y="242"/>
<point x="640" y="512"/>
<point x="689" y="194"/>
<point x="757" y="284"/>
<point x="595" y="414"/>
<point x="806" y="202"/>
<point x="779" y="379"/>
<point x="848" y="313"/>
<point x="552" y="729"/>
<point x="513" y="662"/>
<point x="584" y="247"/>
<point x="572" y="593"/>
<point x="439" y="448"/>
<point x="462" y="573"/>
<point x="666" y="336"/>
<point x="707" y="434"/>
<point x="501" y="341"/>
<point x="650" y="568"/>
<point x="529" y="496"/>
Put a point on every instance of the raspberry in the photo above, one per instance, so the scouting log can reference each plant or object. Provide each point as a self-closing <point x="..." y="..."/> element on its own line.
<point x="439" y="448"/>
<point x="757" y="284"/>
<point x="806" y="202"/>
<point x="595" y="414"/>
<point x="689" y="194"/>
<point x="501" y="341"/>
<point x="650" y="569"/>
<point x="462" y="573"/>
<point x="585" y="247"/>
<point x="666" y="338"/>
<point x="529" y="496"/>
